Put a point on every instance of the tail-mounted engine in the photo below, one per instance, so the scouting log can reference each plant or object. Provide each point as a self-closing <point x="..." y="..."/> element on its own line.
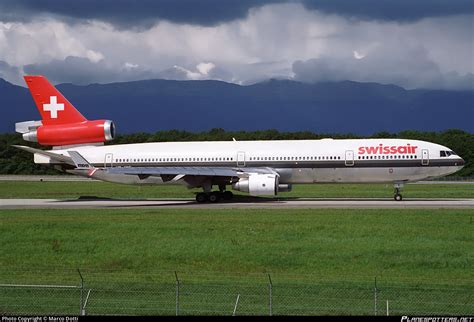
<point x="61" y="123"/>
<point x="98" y="131"/>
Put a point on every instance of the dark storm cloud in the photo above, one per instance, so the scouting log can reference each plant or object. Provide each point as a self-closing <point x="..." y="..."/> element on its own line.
<point x="283" y="40"/>
<point x="413" y="70"/>
<point x="396" y="10"/>
<point x="126" y="13"/>
<point x="145" y="13"/>
<point x="81" y="71"/>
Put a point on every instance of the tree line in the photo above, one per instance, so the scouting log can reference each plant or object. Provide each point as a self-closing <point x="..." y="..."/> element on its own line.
<point x="15" y="161"/>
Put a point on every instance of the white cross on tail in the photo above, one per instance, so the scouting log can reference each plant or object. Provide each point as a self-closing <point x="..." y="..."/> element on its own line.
<point x="53" y="107"/>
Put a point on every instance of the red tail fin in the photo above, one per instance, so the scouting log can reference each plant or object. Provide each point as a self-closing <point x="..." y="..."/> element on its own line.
<point x="54" y="108"/>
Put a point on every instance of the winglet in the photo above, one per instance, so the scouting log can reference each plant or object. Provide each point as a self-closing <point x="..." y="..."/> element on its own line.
<point x="79" y="161"/>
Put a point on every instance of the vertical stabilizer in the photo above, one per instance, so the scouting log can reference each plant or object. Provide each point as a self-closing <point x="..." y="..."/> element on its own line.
<point x="54" y="108"/>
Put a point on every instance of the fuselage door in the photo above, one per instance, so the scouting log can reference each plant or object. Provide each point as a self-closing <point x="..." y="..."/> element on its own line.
<point x="109" y="158"/>
<point x="241" y="159"/>
<point x="425" y="157"/>
<point x="349" y="158"/>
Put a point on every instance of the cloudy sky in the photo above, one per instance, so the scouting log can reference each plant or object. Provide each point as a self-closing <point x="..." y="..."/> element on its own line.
<point x="413" y="44"/>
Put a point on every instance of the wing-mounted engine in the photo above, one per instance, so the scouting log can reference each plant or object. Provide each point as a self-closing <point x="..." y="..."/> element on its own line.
<point x="258" y="184"/>
<point x="97" y="131"/>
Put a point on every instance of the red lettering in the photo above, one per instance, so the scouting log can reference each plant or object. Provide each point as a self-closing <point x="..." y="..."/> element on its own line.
<point x="381" y="149"/>
<point x="371" y="149"/>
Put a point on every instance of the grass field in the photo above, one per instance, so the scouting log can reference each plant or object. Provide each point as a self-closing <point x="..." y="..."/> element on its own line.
<point x="322" y="261"/>
<point x="62" y="190"/>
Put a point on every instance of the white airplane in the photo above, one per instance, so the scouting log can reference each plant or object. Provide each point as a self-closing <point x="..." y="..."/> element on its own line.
<point x="254" y="167"/>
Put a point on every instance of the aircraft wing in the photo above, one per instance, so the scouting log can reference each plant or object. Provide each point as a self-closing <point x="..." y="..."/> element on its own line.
<point x="189" y="171"/>
<point x="173" y="173"/>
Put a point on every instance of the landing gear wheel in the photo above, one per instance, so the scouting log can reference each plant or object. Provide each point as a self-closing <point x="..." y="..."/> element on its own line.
<point x="396" y="194"/>
<point x="227" y="195"/>
<point x="201" y="197"/>
<point x="214" y="197"/>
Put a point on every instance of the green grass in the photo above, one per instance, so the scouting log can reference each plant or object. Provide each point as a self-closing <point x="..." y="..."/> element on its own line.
<point x="306" y="241"/>
<point x="62" y="190"/>
<point x="322" y="261"/>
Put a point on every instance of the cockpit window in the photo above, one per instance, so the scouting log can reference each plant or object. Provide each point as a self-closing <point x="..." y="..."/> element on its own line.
<point x="446" y="153"/>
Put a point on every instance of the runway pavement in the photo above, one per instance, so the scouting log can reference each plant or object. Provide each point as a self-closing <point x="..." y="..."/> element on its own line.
<point x="239" y="203"/>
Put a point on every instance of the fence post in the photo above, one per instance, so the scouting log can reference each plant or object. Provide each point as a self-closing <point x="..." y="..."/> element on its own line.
<point x="375" y="296"/>
<point x="236" y="303"/>
<point x="387" y="308"/>
<point x="270" y="288"/>
<point x="177" y="293"/>
<point x="85" y="302"/>
<point x="81" y="311"/>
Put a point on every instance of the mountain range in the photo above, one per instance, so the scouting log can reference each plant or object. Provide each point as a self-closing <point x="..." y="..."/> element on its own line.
<point x="285" y="105"/>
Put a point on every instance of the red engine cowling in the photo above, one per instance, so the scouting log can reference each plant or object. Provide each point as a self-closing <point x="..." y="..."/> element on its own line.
<point x="73" y="133"/>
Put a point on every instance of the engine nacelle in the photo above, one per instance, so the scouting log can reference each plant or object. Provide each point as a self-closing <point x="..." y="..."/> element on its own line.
<point x="72" y="133"/>
<point x="258" y="184"/>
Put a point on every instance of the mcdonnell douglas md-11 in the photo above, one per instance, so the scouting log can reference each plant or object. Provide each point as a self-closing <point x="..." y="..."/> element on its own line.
<point x="254" y="167"/>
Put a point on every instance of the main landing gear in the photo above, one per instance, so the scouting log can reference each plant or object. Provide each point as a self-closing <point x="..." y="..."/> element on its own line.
<point x="397" y="196"/>
<point x="214" y="196"/>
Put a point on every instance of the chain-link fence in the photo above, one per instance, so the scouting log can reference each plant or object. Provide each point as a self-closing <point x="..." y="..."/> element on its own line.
<point x="172" y="293"/>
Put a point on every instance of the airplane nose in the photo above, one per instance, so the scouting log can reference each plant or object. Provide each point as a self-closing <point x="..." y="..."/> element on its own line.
<point x="461" y="162"/>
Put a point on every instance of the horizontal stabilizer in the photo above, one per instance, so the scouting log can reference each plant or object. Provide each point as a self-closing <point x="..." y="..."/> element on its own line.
<point x="28" y="126"/>
<point x="54" y="156"/>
